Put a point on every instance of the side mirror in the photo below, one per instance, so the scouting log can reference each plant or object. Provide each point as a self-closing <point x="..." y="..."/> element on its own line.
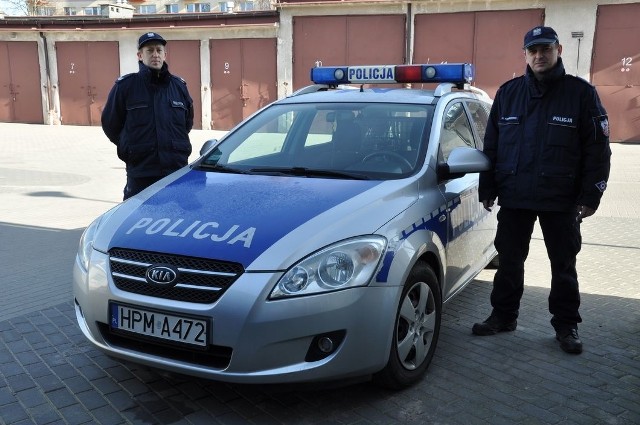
<point x="208" y="145"/>
<point x="461" y="161"/>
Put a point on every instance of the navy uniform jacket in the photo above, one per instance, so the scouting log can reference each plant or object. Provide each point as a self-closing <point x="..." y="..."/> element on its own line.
<point x="548" y="144"/>
<point x="148" y="116"/>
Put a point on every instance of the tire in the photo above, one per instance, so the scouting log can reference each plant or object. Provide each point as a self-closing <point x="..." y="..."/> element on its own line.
<point x="416" y="332"/>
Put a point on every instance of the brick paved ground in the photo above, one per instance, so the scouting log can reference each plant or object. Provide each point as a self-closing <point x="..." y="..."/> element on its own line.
<point x="55" y="180"/>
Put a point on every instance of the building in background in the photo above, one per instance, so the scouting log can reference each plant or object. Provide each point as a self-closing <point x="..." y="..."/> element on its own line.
<point x="59" y="69"/>
<point x="141" y="7"/>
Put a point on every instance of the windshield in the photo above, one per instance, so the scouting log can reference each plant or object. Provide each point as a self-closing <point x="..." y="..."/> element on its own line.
<point x="338" y="140"/>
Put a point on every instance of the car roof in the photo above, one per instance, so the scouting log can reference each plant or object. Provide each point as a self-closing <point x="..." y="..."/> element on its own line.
<point x="354" y="94"/>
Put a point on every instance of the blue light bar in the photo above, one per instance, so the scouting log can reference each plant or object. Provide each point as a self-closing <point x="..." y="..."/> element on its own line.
<point x="456" y="73"/>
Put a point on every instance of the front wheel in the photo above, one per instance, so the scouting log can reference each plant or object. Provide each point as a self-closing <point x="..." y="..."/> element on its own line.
<point x="417" y="327"/>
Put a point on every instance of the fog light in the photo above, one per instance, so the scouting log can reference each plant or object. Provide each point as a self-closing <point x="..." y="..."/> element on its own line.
<point x="325" y="344"/>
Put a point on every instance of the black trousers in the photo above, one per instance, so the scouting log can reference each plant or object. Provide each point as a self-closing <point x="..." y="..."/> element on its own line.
<point x="137" y="184"/>
<point x="563" y="241"/>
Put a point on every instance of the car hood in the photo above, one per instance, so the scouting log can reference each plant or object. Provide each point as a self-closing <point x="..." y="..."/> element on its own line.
<point x="262" y="222"/>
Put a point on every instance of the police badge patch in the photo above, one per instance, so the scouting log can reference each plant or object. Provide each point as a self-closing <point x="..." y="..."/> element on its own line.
<point x="604" y="125"/>
<point x="602" y="186"/>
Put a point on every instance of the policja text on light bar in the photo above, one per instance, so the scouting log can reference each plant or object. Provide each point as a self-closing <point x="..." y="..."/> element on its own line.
<point x="457" y="73"/>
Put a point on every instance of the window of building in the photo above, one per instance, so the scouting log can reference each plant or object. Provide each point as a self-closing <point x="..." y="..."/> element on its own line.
<point x="145" y="9"/>
<point x="246" y="6"/>
<point x="198" y="7"/>
<point x="171" y="8"/>
<point x="70" y="11"/>
<point x="45" y="11"/>
<point x="91" y="10"/>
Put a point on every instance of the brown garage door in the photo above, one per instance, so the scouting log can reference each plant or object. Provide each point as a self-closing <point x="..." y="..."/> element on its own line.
<point x="615" y="68"/>
<point x="20" y="95"/>
<point x="346" y="40"/>
<point x="243" y="79"/>
<point x="86" y="73"/>
<point x="492" y="41"/>
<point x="183" y="58"/>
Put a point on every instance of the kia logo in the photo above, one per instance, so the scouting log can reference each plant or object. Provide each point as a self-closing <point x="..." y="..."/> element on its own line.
<point x="164" y="275"/>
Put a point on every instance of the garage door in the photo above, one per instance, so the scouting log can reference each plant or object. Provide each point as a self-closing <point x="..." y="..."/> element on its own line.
<point x="346" y="40"/>
<point x="492" y="41"/>
<point x="183" y="59"/>
<point x="243" y="79"/>
<point x="86" y="73"/>
<point x="20" y="95"/>
<point x="615" y="69"/>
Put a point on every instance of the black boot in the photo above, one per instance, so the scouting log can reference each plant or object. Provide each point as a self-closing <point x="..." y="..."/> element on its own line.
<point x="569" y="340"/>
<point x="493" y="325"/>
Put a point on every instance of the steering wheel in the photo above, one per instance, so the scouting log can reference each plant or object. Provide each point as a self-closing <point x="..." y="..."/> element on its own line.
<point x="402" y="161"/>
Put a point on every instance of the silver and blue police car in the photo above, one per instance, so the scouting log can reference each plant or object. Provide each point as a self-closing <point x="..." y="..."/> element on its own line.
<point x="318" y="240"/>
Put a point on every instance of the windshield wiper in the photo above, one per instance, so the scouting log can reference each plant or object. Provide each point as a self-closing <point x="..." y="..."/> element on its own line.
<point x="221" y="168"/>
<point x="309" y="172"/>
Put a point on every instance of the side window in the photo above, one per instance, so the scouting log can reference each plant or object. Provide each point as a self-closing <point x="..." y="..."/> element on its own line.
<point x="479" y="117"/>
<point x="456" y="130"/>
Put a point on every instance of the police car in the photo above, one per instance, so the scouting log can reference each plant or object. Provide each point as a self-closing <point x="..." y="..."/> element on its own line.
<point x="318" y="240"/>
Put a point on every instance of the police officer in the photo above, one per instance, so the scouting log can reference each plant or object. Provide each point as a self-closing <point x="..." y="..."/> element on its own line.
<point x="148" y="116"/>
<point x="548" y="142"/>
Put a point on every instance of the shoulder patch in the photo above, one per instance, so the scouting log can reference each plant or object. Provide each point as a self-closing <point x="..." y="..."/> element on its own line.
<point x="603" y="123"/>
<point x="179" y="79"/>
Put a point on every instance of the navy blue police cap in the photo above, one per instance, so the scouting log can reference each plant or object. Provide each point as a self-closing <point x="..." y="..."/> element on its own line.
<point x="540" y="35"/>
<point x="150" y="36"/>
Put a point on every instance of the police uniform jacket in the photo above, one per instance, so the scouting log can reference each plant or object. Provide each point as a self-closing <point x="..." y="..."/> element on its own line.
<point x="148" y="116"/>
<point x="548" y="143"/>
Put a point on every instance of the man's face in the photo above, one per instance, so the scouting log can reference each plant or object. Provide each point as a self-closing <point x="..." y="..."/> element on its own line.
<point x="542" y="57"/>
<point x="152" y="54"/>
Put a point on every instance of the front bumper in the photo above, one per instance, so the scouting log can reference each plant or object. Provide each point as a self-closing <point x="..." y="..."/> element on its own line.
<point x="252" y="340"/>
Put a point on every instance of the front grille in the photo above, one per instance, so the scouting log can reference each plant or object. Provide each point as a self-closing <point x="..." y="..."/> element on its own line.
<point x="200" y="280"/>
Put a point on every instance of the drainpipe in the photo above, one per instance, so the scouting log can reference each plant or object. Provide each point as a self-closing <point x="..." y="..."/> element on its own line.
<point x="578" y="35"/>
<point x="48" y="72"/>
<point x="409" y="36"/>
<point x="408" y="49"/>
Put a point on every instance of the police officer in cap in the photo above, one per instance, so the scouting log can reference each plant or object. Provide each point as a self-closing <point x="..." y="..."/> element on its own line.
<point x="548" y="142"/>
<point x="148" y="116"/>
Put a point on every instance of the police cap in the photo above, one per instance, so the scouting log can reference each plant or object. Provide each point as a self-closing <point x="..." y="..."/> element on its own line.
<point x="540" y="35"/>
<point x="150" y="36"/>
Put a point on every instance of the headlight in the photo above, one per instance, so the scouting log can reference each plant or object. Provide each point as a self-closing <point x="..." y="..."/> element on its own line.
<point x="342" y="265"/>
<point x="86" y="243"/>
<point x="88" y="236"/>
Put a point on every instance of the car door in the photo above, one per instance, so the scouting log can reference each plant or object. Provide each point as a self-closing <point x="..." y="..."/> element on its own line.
<point x="487" y="222"/>
<point x="466" y="244"/>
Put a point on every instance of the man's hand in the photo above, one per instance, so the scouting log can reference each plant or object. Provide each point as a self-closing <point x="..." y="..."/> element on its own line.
<point x="488" y="203"/>
<point x="583" y="212"/>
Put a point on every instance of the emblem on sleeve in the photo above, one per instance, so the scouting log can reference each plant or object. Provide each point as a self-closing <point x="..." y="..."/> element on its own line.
<point x="604" y="124"/>
<point x="602" y="186"/>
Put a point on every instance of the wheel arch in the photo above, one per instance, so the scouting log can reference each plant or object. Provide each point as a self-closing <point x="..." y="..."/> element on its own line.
<point x="420" y="246"/>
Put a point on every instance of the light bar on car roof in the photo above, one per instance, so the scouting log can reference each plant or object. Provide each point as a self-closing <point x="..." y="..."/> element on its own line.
<point x="457" y="73"/>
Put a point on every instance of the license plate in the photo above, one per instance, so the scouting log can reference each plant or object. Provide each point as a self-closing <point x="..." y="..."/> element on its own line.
<point x="159" y="325"/>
